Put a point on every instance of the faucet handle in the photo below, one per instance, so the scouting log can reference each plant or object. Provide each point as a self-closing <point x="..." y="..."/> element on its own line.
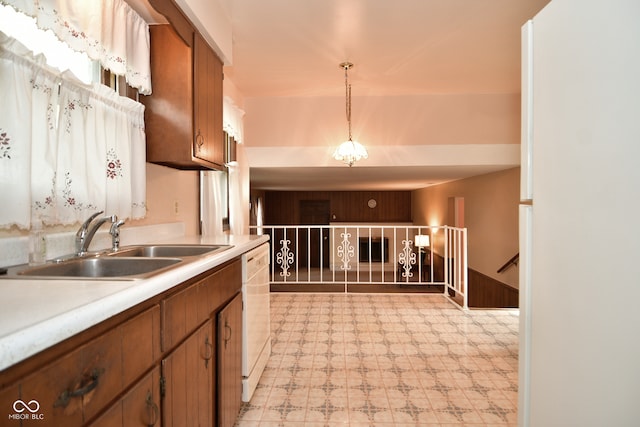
<point x="115" y="226"/>
<point x="115" y="234"/>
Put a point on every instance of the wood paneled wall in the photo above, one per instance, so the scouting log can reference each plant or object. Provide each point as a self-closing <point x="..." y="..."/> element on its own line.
<point x="283" y="207"/>
<point x="486" y="292"/>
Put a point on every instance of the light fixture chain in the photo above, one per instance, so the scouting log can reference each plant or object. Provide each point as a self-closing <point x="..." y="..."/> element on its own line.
<point x="348" y="97"/>
<point x="349" y="151"/>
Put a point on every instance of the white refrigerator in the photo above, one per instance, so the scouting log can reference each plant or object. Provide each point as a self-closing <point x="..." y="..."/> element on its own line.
<point x="579" y="233"/>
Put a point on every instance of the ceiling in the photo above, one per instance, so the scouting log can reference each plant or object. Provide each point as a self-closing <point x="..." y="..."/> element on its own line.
<point x="292" y="48"/>
<point x="361" y="177"/>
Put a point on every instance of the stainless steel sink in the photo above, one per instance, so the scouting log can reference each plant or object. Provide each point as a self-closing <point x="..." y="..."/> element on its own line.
<point x="101" y="267"/>
<point x="134" y="262"/>
<point x="170" y="251"/>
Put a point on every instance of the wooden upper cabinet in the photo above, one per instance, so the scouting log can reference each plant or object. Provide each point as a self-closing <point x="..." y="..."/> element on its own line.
<point x="209" y="135"/>
<point x="183" y="116"/>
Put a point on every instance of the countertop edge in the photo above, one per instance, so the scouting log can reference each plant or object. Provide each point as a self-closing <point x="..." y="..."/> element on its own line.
<point x="97" y="301"/>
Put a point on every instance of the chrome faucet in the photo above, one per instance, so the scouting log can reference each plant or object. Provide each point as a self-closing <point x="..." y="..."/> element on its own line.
<point x="87" y="231"/>
<point x="115" y="234"/>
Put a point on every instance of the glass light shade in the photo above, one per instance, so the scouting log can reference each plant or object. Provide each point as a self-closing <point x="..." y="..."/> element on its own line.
<point x="350" y="152"/>
<point x="422" y="240"/>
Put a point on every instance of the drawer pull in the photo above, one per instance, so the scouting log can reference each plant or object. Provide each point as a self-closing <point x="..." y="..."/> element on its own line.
<point x="153" y="412"/>
<point x="208" y="352"/>
<point x="66" y="396"/>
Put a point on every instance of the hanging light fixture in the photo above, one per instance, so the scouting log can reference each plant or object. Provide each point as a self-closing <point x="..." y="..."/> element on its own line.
<point x="349" y="151"/>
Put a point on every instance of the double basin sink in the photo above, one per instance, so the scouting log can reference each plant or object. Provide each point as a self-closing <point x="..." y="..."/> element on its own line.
<point x="127" y="263"/>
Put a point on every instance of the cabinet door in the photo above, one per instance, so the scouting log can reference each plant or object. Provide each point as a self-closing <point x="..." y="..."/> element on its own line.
<point x="168" y="114"/>
<point x="208" y="133"/>
<point x="230" y="362"/>
<point x="140" y="407"/>
<point x="188" y="376"/>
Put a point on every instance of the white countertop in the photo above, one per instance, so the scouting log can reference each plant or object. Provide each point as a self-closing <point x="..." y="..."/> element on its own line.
<point x="36" y="314"/>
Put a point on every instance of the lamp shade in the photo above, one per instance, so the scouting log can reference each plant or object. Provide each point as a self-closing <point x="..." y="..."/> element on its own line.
<point x="350" y="152"/>
<point x="422" y="240"/>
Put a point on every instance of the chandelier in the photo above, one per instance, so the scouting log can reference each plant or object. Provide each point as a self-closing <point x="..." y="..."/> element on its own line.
<point x="349" y="151"/>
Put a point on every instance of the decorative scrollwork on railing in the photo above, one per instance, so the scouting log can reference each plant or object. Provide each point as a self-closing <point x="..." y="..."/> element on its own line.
<point x="407" y="258"/>
<point x="345" y="251"/>
<point x="284" y="258"/>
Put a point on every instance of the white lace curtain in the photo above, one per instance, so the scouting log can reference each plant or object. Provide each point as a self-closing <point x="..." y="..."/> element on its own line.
<point x="215" y="185"/>
<point x="213" y="193"/>
<point x="66" y="149"/>
<point x="239" y="195"/>
<point x="109" y="31"/>
<point x="232" y="119"/>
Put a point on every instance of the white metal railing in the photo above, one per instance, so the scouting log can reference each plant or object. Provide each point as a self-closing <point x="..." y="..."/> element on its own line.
<point x="369" y="254"/>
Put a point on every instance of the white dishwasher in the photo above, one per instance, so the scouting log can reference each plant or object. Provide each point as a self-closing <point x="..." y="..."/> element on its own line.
<point x="256" y="322"/>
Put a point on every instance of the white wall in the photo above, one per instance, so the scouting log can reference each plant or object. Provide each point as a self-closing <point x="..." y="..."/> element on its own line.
<point x="490" y="215"/>
<point x="397" y="130"/>
<point x="385" y="121"/>
<point x="585" y="357"/>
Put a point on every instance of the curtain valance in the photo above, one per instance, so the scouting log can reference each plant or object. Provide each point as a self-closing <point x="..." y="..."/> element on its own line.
<point x="109" y="31"/>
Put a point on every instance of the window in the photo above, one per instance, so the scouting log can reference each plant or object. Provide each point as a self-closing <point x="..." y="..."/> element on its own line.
<point x="59" y="55"/>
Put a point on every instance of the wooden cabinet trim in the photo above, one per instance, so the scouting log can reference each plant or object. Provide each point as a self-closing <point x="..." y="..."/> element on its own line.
<point x="176" y="18"/>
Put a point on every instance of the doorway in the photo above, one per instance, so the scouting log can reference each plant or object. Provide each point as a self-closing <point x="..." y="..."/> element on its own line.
<point x="314" y="244"/>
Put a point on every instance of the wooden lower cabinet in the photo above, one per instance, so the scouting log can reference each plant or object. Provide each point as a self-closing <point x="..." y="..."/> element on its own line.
<point x="171" y="361"/>
<point x="74" y="388"/>
<point x="188" y="374"/>
<point x="230" y="362"/>
<point x="202" y="377"/>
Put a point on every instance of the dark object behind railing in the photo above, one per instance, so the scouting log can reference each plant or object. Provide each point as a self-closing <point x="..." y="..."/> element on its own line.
<point x="513" y="261"/>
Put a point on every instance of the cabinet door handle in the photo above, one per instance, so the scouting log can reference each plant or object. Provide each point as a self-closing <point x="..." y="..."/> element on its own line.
<point x="208" y="353"/>
<point x="199" y="141"/>
<point x="65" y="396"/>
<point x="227" y="328"/>
<point x="153" y="412"/>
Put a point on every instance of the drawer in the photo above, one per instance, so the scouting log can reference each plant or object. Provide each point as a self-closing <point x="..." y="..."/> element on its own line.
<point x="79" y="385"/>
<point x="230" y="282"/>
<point x="140" y="344"/>
<point x="180" y="316"/>
<point x="218" y="288"/>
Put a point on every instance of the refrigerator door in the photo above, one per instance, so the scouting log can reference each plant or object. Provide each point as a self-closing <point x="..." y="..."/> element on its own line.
<point x="580" y="362"/>
<point x="526" y="111"/>
<point x="524" y="358"/>
<point x="526" y="223"/>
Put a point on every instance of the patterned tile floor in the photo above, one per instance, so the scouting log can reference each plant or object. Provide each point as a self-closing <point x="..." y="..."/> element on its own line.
<point x="386" y="360"/>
